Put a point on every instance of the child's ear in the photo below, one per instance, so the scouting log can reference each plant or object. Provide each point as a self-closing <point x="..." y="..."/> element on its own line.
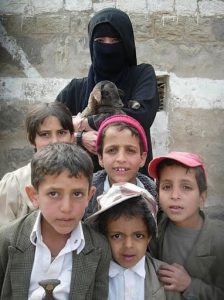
<point x="143" y="159"/>
<point x="203" y="198"/>
<point x="92" y="191"/>
<point x="32" y="194"/>
<point x="100" y="159"/>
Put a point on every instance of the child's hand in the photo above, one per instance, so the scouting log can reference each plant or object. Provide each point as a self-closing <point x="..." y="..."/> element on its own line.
<point x="174" y="277"/>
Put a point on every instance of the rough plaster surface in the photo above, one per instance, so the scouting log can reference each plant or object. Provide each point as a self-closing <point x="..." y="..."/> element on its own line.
<point x="43" y="44"/>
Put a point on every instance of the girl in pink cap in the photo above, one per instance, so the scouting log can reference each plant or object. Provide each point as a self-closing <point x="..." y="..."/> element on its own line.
<point x="122" y="149"/>
<point x="191" y="244"/>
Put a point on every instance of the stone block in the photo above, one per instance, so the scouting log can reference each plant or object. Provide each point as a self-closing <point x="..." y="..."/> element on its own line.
<point x="13" y="6"/>
<point x="199" y="29"/>
<point x="211" y="7"/>
<point x="139" y="6"/>
<point x="218" y="29"/>
<point x="143" y="26"/>
<point x="53" y="24"/>
<point x="98" y="5"/>
<point x="46" y="6"/>
<point x="186" y="7"/>
<point x="169" y="28"/>
<point x="160" y="6"/>
<point x="29" y="25"/>
<point x="79" y="24"/>
<point x="77" y="5"/>
<point x="12" y="24"/>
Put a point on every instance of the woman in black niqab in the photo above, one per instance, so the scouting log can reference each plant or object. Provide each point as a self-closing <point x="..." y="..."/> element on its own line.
<point x="115" y="62"/>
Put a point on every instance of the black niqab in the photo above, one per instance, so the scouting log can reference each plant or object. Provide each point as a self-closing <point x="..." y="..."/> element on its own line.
<point x="110" y="61"/>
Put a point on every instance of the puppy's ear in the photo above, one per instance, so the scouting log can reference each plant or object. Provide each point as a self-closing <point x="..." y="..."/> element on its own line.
<point x="97" y="95"/>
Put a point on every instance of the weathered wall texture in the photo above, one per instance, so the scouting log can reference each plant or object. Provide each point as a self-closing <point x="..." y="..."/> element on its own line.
<point x="44" y="43"/>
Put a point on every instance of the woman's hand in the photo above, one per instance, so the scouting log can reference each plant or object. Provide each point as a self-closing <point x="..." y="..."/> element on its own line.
<point x="80" y="123"/>
<point x="89" y="141"/>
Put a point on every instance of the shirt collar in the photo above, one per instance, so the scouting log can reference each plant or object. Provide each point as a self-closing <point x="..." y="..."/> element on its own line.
<point x="139" y="268"/>
<point x="76" y="240"/>
<point x="107" y="184"/>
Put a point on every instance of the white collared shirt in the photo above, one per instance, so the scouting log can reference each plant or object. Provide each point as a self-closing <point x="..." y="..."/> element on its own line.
<point x="127" y="284"/>
<point x="106" y="186"/>
<point x="61" y="266"/>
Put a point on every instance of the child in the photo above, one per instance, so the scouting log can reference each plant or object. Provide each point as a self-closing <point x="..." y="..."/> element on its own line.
<point x="45" y="123"/>
<point x="52" y="243"/>
<point x="127" y="216"/>
<point x="190" y="243"/>
<point x="122" y="149"/>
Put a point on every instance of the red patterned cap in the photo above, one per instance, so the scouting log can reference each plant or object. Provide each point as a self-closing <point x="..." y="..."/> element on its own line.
<point x="124" y="119"/>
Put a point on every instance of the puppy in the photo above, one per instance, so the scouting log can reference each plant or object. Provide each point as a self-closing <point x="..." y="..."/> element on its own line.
<point x="104" y="98"/>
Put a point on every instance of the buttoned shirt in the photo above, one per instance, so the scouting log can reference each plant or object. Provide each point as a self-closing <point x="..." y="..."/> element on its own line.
<point x="127" y="284"/>
<point x="107" y="184"/>
<point x="59" y="267"/>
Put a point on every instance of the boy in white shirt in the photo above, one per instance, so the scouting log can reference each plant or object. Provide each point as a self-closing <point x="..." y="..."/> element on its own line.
<point x="127" y="216"/>
<point x="52" y="243"/>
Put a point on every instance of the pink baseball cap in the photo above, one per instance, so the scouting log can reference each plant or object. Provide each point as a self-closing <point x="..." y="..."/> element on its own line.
<point x="186" y="158"/>
<point x="124" y="119"/>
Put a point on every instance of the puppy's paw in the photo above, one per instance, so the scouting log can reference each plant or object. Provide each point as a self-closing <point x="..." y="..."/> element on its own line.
<point x="134" y="104"/>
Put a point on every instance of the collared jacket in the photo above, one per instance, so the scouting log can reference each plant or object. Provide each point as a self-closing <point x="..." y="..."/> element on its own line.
<point x="14" y="202"/>
<point x="205" y="264"/>
<point x="89" y="279"/>
<point x="153" y="287"/>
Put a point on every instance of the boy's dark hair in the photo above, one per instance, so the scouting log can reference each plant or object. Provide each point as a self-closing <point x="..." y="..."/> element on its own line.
<point x="39" y="112"/>
<point x="120" y="126"/>
<point x="133" y="207"/>
<point x="200" y="175"/>
<point x="56" y="158"/>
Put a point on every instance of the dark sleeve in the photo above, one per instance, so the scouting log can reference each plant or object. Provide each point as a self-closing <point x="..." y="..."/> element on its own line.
<point x="145" y="91"/>
<point x="73" y="95"/>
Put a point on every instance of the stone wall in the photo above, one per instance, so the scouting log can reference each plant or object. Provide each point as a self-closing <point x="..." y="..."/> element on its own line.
<point x="44" y="43"/>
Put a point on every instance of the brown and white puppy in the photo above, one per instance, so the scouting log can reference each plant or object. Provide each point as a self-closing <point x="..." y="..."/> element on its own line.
<point x="104" y="98"/>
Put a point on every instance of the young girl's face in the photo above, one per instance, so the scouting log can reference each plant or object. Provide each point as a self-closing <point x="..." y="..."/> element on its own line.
<point x="128" y="238"/>
<point x="51" y="131"/>
<point x="121" y="157"/>
<point x="179" y="196"/>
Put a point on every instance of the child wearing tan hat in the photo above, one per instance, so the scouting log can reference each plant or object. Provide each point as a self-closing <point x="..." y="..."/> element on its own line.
<point x="189" y="242"/>
<point x="127" y="216"/>
<point x="122" y="150"/>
